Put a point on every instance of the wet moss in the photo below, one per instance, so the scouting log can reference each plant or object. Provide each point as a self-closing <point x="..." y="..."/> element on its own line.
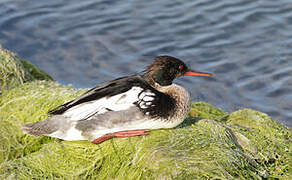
<point x="207" y="111"/>
<point x="269" y="142"/>
<point x="35" y="72"/>
<point x="210" y="144"/>
<point x="14" y="71"/>
<point x="24" y="104"/>
<point x="203" y="149"/>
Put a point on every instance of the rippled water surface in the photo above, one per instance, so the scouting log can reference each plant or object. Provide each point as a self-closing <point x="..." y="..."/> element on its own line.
<point x="247" y="44"/>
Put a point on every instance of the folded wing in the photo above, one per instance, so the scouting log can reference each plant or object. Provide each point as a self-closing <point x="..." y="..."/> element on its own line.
<point x="116" y="95"/>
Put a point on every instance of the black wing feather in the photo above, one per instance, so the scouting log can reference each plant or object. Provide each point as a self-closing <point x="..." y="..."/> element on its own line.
<point x="109" y="89"/>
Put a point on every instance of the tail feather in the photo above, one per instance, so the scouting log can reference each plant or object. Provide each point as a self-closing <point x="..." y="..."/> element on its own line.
<point x="33" y="129"/>
<point x="41" y="128"/>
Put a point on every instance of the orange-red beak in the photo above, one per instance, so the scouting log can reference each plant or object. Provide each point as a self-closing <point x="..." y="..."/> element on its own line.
<point x="196" y="73"/>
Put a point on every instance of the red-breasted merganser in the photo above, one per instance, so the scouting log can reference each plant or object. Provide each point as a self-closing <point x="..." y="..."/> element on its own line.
<point x="124" y="107"/>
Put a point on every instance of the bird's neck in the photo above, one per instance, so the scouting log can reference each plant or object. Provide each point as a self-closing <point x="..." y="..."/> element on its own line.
<point x="178" y="93"/>
<point x="158" y="76"/>
<point x="181" y="97"/>
<point x="150" y="80"/>
<point x="175" y="91"/>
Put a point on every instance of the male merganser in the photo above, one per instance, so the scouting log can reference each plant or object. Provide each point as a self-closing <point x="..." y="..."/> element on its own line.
<point x="124" y="107"/>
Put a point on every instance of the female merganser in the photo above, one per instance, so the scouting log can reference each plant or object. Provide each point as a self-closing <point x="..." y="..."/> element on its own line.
<point x="125" y="107"/>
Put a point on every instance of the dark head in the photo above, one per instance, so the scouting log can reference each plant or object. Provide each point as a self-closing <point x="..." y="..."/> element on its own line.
<point x="166" y="68"/>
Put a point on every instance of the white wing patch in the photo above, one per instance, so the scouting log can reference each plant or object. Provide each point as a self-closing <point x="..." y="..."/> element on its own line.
<point x="118" y="102"/>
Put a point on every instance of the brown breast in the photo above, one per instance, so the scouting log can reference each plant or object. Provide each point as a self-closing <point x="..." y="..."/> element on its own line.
<point x="182" y="98"/>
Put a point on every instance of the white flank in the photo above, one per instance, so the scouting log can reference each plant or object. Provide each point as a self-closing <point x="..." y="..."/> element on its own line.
<point x="146" y="125"/>
<point x="72" y="134"/>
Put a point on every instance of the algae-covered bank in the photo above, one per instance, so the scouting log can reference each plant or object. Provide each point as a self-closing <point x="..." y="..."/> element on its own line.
<point x="210" y="144"/>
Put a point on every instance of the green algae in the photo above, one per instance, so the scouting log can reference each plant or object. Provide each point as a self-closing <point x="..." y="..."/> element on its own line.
<point x="271" y="142"/>
<point x="35" y="72"/>
<point x="202" y="149"/>
<point x="207" y="111"/>
<point x="209" y="144"/>
<point x="24" y="104"/>
<point x="14" y="71"/>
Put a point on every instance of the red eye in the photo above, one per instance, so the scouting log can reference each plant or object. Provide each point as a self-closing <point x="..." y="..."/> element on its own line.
<point x="181" y="67"/>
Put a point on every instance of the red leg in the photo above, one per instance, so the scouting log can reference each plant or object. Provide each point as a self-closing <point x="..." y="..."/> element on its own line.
<point x="103" y="138"/>
<point x="129" y="133"/>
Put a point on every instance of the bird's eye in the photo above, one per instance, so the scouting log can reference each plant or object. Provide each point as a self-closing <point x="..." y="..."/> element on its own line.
<point x="181" y="67"/>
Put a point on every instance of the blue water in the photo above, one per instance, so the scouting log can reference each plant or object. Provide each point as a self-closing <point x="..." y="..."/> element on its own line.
<point x="247" y="44"/>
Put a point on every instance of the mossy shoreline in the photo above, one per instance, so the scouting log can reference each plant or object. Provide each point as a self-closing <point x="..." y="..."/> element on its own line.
<point x="209" y="144"/>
